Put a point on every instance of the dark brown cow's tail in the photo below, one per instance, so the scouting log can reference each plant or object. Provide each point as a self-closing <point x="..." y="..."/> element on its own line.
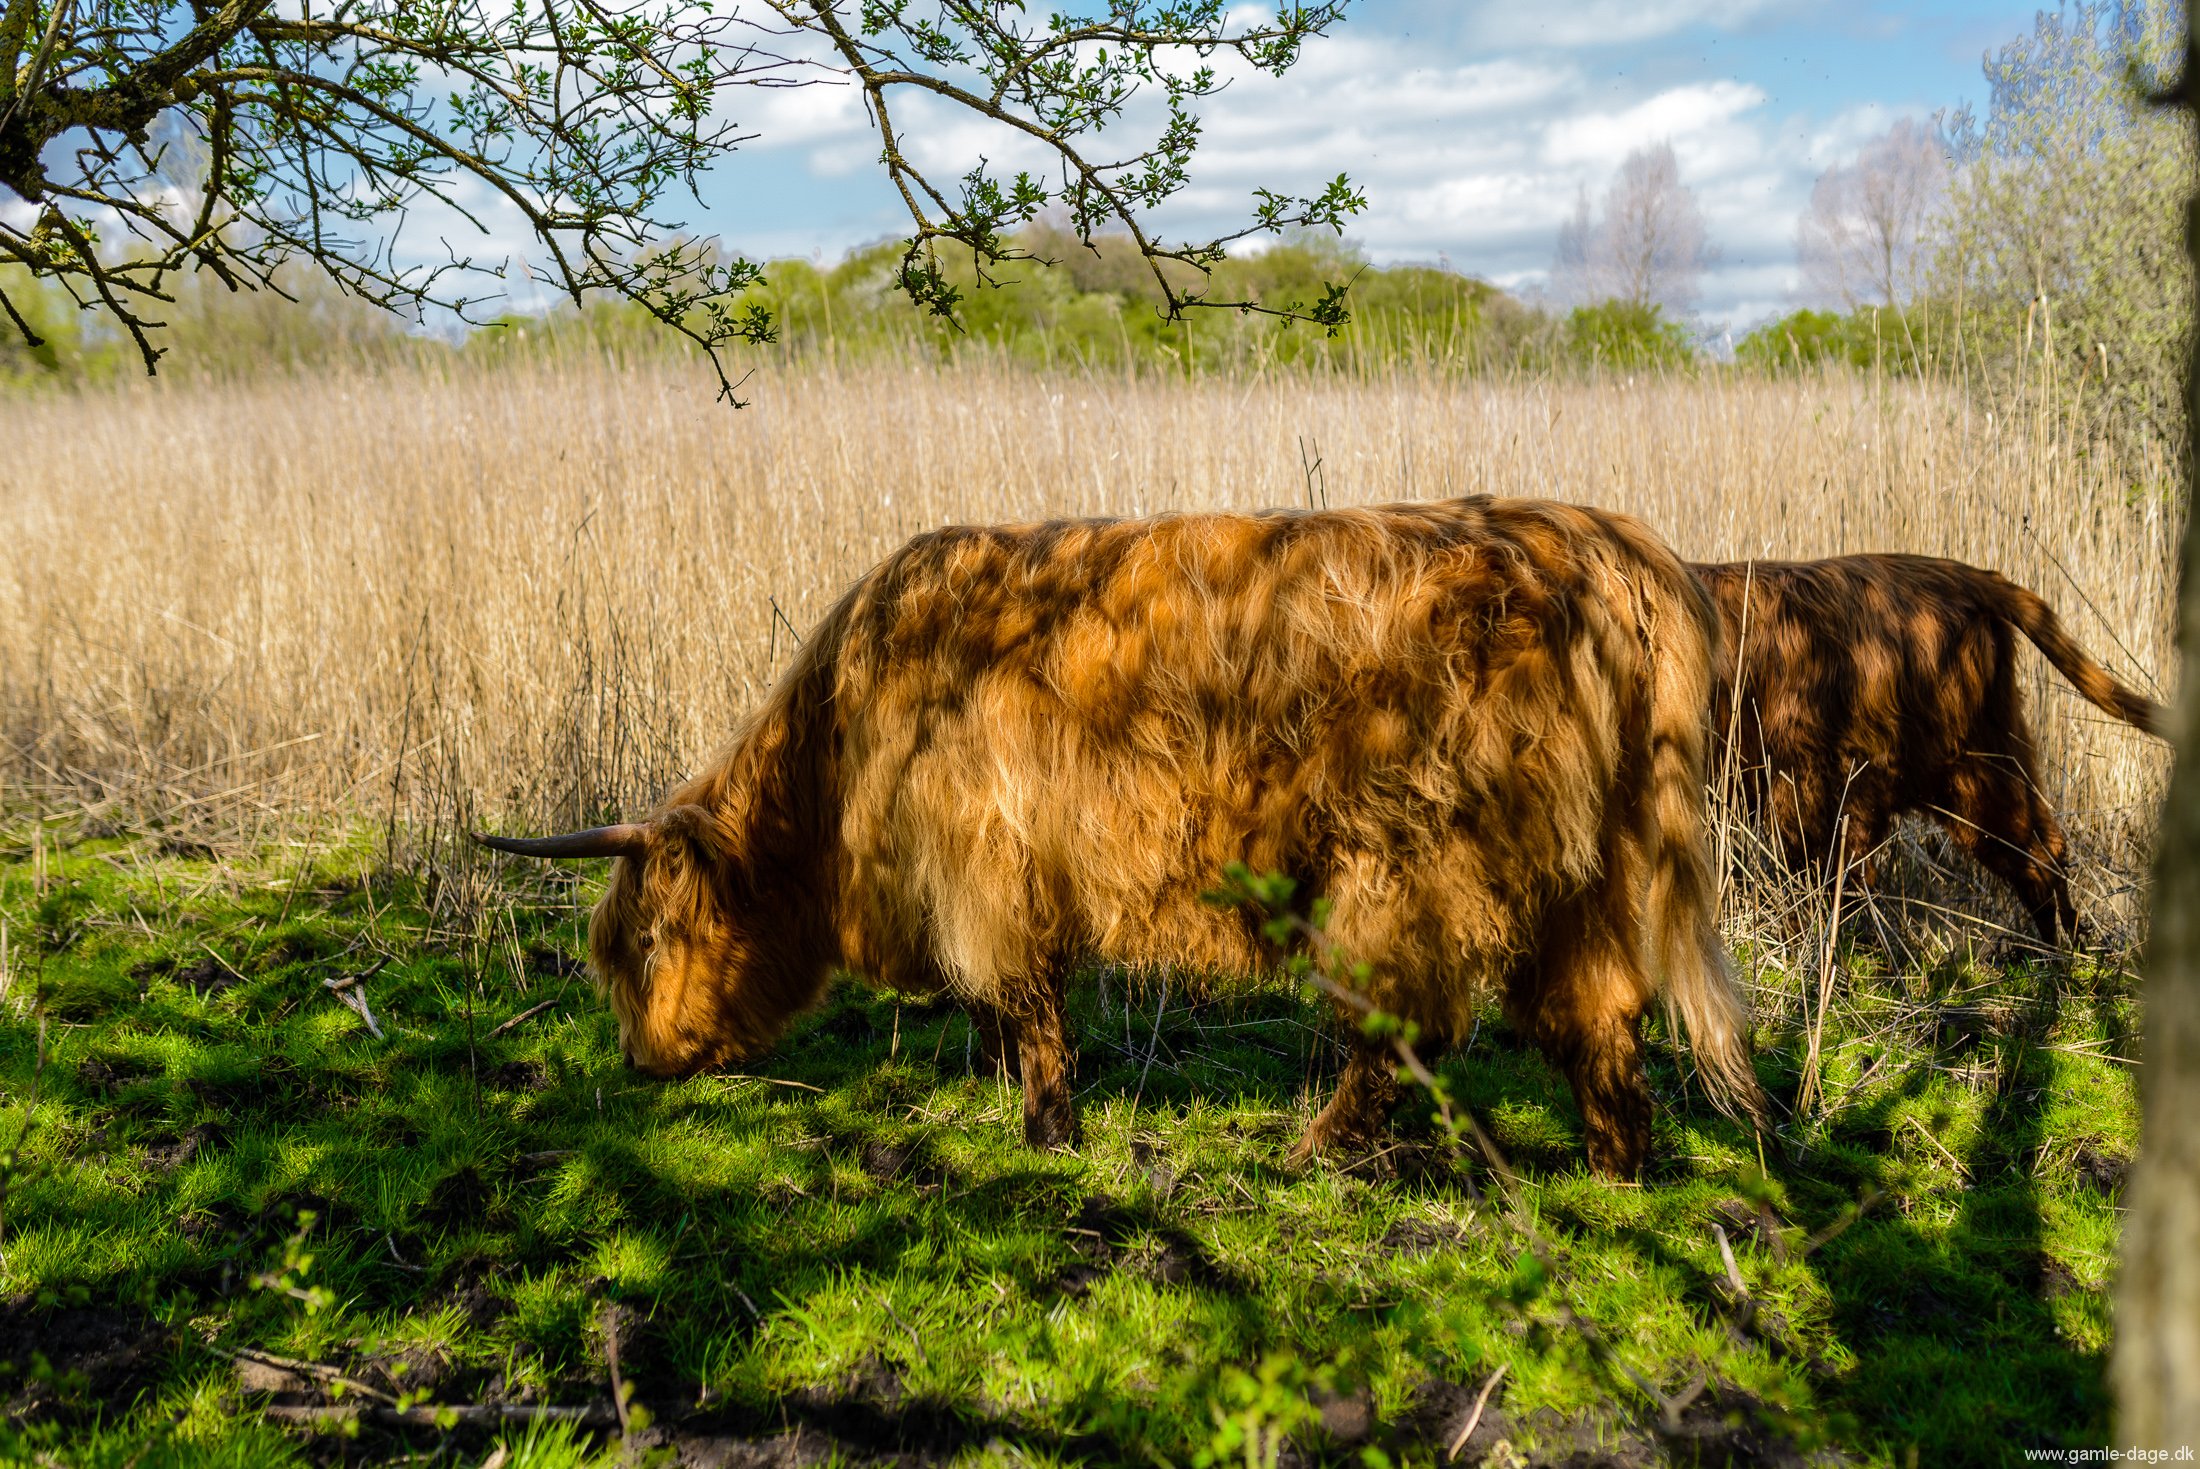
<point x="1686" y="951"/>
<point x="2026" y="612"/>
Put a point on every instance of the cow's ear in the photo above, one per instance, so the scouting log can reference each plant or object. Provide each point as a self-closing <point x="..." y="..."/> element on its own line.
<point x="692" y="829"/>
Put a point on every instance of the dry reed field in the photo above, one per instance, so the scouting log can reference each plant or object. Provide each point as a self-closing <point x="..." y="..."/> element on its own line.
<point x="537" y="594"/>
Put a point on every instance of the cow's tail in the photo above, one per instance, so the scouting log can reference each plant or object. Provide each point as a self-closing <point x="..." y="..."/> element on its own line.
<point x="1686" y="952"/>
<point x="2025" y="611"/>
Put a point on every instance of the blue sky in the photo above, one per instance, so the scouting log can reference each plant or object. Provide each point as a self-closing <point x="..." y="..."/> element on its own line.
<point x="1471" y="127"/>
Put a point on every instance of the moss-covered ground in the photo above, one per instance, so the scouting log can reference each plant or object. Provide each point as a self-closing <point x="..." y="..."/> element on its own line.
<point x="239" y="1228"/>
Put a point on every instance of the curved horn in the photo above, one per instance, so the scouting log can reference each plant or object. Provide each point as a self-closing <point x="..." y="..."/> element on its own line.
<point x="624" y="840"/>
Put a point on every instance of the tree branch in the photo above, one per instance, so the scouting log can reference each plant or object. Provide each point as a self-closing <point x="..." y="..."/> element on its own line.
<point x="581" y="116"/>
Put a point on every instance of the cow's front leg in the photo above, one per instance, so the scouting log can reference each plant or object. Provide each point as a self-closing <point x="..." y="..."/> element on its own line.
<point x="1043" y="1056"/>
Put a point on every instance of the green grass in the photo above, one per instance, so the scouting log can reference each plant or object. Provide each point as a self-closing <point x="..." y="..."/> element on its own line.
<point x="860" y="1252"/>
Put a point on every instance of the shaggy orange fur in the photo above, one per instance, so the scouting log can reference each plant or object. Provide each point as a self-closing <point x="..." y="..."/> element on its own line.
<point x="1476" y="727"/>
<point x="1875" y="685"/>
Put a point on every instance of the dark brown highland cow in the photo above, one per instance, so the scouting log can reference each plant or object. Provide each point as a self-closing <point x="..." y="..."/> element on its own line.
<point x="1876" y="685"/>
<point x="1476" y="727"/>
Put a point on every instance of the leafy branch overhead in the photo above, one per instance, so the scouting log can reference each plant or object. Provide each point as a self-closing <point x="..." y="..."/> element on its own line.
<point x="144" y="139"/>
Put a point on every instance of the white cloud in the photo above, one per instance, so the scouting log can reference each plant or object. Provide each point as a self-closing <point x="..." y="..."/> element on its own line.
<point x="1839" y="138"/>
<point x="1695" y="118"/>
<point x="825" y="109"/>
<point x="946" y="141"/>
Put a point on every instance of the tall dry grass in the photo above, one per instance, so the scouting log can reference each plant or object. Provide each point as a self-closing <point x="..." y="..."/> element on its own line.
<point x="538" y="593"/>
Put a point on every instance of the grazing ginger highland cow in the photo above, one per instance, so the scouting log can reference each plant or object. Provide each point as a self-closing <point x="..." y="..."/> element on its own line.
<point x="1476" y="727"/>
<point x="1877" y="685"/>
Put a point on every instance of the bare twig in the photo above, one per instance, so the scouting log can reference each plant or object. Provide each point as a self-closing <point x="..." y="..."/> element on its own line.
<point x="520" y="1019"/>
<point x="1160" y="1008"/>
<point x="480" y="1415"/>
<point x="346" y="981"/>
<point x="234" y="972"/>
<point x="1953" y="1161"/>
<point x="1726" y="1253"/>
<point x="772" y="1081"/>
<point x="611" y="1359"/>
<point x="915" y="1344"/>
<point x="320" y="1372"/>
<point x="1474" y="1419"/>
<point x="1839" y="1226"/>
<point x="1747" y="1316"/>
<point x="1810" y="1089"/>
<point x="351" y="991"/>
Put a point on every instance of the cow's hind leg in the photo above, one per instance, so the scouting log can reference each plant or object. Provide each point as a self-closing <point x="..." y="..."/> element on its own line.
<point x="1582" y="1000"/>
<point x="1357" y="1113"/>
<point x="2000" y="818"/>
<point x="996" y="1039"/>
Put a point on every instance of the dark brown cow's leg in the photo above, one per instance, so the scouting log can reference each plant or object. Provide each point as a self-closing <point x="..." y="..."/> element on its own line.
<point x="1042" y="1051"/>
<point x="1870" y="818"/>
<point x="1582" y="1000"/>
<point x="2051" y="851"/>
<point x="1357" y="1113"/>
<point x="1999" y="817"/>
<point x="1803" y="817"/>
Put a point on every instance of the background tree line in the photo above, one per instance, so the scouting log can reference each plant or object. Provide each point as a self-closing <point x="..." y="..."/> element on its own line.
<point x="1093" y="306"/>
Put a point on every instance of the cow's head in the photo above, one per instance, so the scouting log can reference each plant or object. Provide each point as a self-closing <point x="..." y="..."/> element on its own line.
<point x="674" y="941"/>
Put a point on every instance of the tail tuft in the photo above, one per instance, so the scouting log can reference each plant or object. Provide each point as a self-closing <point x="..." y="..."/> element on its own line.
<point x="2030" y="615"/>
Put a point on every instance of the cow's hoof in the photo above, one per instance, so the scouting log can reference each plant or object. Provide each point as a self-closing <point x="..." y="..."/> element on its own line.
<point x="1321" y="1146"/>
<point x="1617" y="1161"/>
<point x="1052" y="1130"/>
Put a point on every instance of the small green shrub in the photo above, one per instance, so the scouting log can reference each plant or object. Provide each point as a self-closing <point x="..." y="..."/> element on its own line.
<point x="1906" y="341"/>
<point x="1626" y="335"/>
